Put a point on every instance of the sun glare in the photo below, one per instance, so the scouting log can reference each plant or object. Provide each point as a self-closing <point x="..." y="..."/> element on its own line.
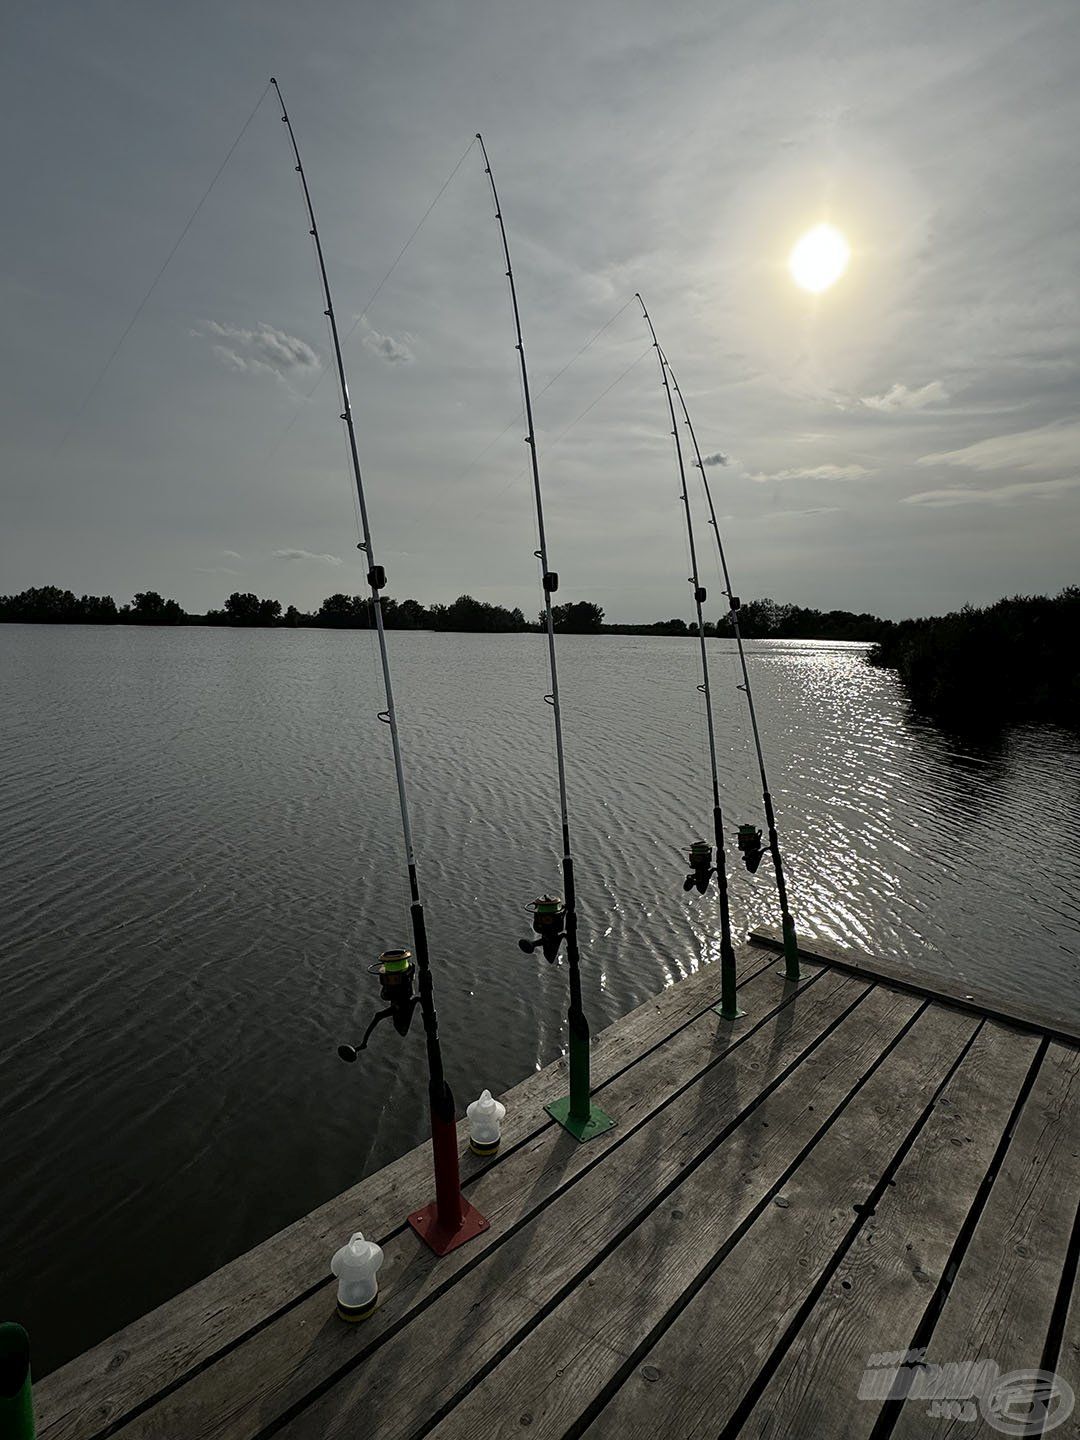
<point x="819" y="258"/>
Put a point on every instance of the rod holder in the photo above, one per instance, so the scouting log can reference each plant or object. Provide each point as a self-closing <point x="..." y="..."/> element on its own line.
<point x="791" y="969"/>
<point x="576" y="1112"/>
<point x="16" y="1398"/>
<point x="729" y="1007"/>
<point x="449" y="1221"/>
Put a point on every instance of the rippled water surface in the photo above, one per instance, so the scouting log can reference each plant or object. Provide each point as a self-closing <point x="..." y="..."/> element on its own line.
<point x="201" y="856"/>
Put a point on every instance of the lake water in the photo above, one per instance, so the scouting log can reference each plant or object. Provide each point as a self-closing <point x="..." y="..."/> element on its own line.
<point x="201" y="856"/>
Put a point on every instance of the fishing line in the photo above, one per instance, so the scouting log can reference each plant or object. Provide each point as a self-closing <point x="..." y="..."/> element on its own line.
<point x="467" y="514"/>
<point x="602" y="396"/>
<point x="157" y="278"/>
<point x="592" y="406"/>
<point x="371" y="301"/>
<point x="557" y="376"/>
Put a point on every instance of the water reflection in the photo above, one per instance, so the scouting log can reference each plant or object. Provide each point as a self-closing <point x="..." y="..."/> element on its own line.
<point x="202" y="859"/>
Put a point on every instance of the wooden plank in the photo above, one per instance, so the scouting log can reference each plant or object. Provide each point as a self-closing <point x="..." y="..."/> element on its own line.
<point x="1067" y="1363"/>
<point x="876" y="1298"/>
<point x="1006" y="1011"/>
<point x="998" y="1307"/>
<point x="697" y="1372"/>
<point x="494" y="1308"/>
<point x="100" y="1387"/>
<point x="284" y="1362"/>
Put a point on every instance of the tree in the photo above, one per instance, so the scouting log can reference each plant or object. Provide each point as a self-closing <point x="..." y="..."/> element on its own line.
<point x="148" y="608"/>
<point x="98" y="609"/>
<point x="242" y="609"/>
<point x="580" y="617"/>
<point x="46" y="604"/>
<point x="411" y="615"/>
<point x="344" y="611"/>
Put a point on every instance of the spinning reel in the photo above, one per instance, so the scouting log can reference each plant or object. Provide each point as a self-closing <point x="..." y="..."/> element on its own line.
<point x="548" y="913"/>
<point x="396" y="973"/>
<point x="750" y="844"/>
<point x="701" y="867"/>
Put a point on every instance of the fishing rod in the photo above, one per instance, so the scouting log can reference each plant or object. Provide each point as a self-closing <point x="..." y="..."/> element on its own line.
<point x="554" y="918"/>
<point x="701" y="852"/>
<point x="749" y="839"/>
<point x="450" y="1220"/>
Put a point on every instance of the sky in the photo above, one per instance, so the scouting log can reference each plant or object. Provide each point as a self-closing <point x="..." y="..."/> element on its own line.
<point x="905" y="442"/>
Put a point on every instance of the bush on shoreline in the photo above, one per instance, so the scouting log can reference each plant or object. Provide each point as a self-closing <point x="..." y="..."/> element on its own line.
<point x="1017" y="660"/>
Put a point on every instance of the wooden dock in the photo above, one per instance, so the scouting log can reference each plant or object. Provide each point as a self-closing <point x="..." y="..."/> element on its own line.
<point x="856" y="1169"/>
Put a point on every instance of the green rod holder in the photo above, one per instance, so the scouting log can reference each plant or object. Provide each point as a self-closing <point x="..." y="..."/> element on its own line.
<point x="728" y="1009"/>
<point x="576" y="1111"/>
<point x="16" y="1400"/>
<point x="791" y="949"/>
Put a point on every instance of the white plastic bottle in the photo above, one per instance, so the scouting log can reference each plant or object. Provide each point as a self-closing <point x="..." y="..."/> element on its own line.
<point x="356" y="1266"/>
<point x="485" y="1118"/>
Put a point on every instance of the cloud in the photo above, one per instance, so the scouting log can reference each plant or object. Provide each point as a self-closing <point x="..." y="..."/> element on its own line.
<point x="385" y="347"/>
<point x="322" y="559"/>
<point x="898" y="398"/>
<point x="232" y="555"/>
<point x="816" y="472"/>
<point x="1002" y="495"/>
<point x="718" y="458"/>
<point x="1051" y="447"/>
<point x="263" y="351"/>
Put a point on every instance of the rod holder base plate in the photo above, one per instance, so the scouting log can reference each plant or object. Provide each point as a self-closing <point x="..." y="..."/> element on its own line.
<point x="588" y="1129"/>
<point x="736" y="1014"/>
<point x="782" y="972"/>
<point x="441" y="1238"/>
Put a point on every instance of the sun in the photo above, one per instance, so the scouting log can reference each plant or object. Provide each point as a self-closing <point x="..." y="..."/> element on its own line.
<point x="819" y="258"/>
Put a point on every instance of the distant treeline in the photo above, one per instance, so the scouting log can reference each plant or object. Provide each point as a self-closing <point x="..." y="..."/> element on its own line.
<point x="766" y="620"/>
<point x="1018" y="660"/>
<point x="48" y="604"/>
<point x="759" y="619"/>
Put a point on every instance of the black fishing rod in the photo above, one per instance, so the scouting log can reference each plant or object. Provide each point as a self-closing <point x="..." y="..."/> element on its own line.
<point x="701" y="852"/>
<point x="450" y="1220"/>
<point x="554" y="919"/>
<point x="749" y="835"/>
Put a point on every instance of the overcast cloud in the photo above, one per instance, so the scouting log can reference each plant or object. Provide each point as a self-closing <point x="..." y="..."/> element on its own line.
<point x="904" y="442"/>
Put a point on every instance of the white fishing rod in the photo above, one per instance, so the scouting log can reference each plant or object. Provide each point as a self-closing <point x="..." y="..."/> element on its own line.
<point x="553" y="919"/>
<point x="749" y="835"/>
<point x="451" y="1219"/>
<point x="701" y="853"/>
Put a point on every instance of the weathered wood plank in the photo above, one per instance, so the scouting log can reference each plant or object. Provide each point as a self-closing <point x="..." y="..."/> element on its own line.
<point x="693" y="1377"/>
<point x="96" y="1390"/>
<point x="492" y="1309"/>
<point x="285" y="1361"/>
<point x="1006" y="1010"/>
<point x="876" y="1298"/>
<point x="998" y="1307"/>
<point x="1067" y="1363"/>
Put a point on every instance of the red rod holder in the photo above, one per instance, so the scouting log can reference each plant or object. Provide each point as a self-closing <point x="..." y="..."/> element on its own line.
<point x="449" y="1220"/>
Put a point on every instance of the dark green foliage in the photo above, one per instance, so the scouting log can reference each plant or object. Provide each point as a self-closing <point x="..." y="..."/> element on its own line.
<point x="766" y="620"/>
<point x="148" y="608"/>
<point x="469" y="614"/>
<point x="49" y="605"/>
<point x="577" y="617"/>
<point x="354" y="612"/>
<point x="977" y="669"/>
